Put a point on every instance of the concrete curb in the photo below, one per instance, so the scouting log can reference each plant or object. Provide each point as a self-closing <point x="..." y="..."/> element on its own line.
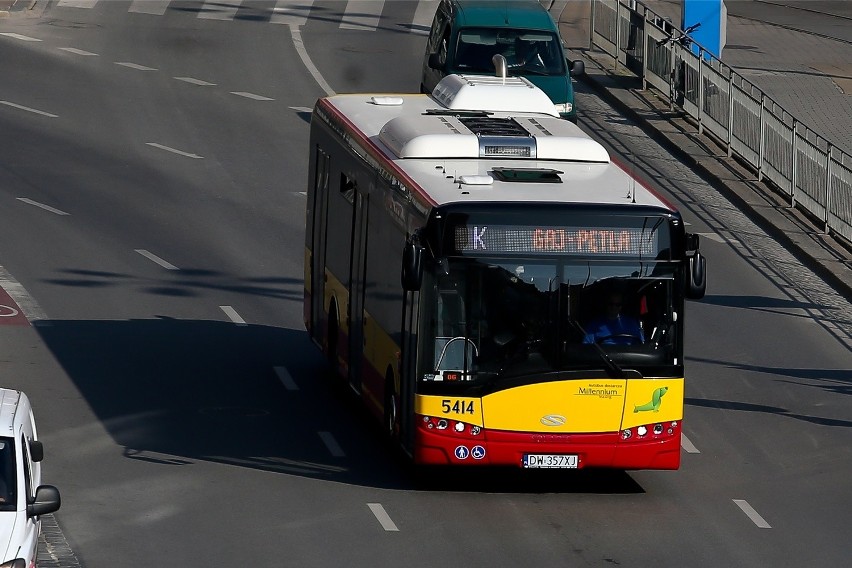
<point x="808" y="243"/>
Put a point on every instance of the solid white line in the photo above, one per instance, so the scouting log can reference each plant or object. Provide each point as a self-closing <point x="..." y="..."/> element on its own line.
<point x="251" y="96"/>
<point x="713" y="237"/>
<point x="174" y="151"/>
<point x="134" y="66"/>
<point x="286" y="379"/>
<point x="28" y="109"/>
<point x="687" y="445"/>
<point x="76" y="51"/>
<point x="233" y="315"/>
<point x="196" y="81"/>
<point x="19" y="36"/>
<point x="331" y="444"/>
<point x="27" y="303"/>
<point x="306" y="60"/>
<point x="154" y="258"/>
<point x="42" y="205"/>
<point x="752" y="514"/>
<point x="382" y="516"/>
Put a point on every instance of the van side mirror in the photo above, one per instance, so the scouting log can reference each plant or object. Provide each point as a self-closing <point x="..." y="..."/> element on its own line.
<point x="412" y="266"/>
<point x="435" y="62"/>
<point x="697" y="275"/>
<point x="36" y="450"/>
<point x="46" y="501"/>
<point x="576" y="67"/>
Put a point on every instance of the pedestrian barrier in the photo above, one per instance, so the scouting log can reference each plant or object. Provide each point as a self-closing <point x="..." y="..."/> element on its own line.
<point x="813" y="174"/>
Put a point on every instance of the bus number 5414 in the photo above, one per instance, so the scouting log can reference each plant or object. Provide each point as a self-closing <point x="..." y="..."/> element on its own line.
<point x="457" y="406"/>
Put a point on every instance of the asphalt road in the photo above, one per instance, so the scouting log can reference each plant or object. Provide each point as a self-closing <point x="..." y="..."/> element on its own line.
<point x="151" y="205"/>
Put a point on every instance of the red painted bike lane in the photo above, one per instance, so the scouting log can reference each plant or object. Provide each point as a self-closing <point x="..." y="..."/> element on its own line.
<point x="10" y="312"/>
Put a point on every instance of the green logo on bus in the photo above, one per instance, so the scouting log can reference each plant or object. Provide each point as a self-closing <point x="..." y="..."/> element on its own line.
<point x="654" y="404"/>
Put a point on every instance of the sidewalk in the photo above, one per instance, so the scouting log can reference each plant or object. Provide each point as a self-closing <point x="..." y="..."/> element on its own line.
<point x="828" y="106"/>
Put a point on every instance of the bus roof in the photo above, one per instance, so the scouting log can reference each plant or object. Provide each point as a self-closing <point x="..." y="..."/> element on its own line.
<point x="449" y="155"/>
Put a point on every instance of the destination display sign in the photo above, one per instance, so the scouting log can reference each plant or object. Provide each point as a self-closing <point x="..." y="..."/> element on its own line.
<point x="513" y="239"/>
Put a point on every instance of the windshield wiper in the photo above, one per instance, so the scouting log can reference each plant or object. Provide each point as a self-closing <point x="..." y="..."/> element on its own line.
<point x="612" y="368"/>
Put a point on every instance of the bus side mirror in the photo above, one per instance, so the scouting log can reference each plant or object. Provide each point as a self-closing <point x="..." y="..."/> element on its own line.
<point x="697" y="285"/>
<point x="412" y="266"/>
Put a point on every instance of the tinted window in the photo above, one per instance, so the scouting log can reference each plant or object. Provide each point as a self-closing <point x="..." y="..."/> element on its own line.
<point x="8" y="479"/>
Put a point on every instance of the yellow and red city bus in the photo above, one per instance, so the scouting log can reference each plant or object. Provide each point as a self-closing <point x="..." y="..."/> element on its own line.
<point x="459" y="264"/>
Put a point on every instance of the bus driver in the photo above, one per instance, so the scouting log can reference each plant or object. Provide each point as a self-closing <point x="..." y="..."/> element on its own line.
<point x="614" y="327"/>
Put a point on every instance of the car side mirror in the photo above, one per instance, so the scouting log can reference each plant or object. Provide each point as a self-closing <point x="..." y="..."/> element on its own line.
<point x="435" y="62"/>
<point x="697" y="274"/>
<point x="36" y="450"/>
<point x="577" y="67"/>
<point x="46" y="501"/>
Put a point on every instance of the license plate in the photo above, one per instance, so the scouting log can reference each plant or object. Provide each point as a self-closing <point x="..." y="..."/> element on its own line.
<point x="550" y="461"/>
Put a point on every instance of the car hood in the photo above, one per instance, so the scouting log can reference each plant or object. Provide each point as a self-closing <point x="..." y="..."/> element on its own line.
<point x="557" y="87"/>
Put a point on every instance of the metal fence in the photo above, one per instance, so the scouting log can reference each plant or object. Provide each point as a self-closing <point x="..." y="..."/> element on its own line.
<point x="813" y="174"/>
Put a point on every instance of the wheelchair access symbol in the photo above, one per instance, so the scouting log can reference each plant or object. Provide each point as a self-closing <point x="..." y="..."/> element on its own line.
<point x="462" y="452"/>
<point x="477" y="452"/>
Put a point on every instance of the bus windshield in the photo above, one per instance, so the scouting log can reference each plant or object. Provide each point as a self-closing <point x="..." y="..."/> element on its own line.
<point x="491" y="318"/>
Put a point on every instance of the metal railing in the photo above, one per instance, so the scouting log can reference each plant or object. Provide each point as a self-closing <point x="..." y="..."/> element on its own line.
<point x="813" y="174"/>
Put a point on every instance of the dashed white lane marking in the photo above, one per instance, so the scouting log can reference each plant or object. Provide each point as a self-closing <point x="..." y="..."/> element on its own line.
<point x="362" y="15"/>
<point x="195" y="81"/>
<point x="42" y="206"/>
<point x="382" y="516"/>
<point x="306" y="60"/>
<point x="154" y="258"/>
<point x="29" y="109"/>
<point x="219" y="9"/>
<point x="752" y="514"/>
<point x="302" y="109"/>
<point x="233" y="315"/>
<point x="423" y="17"/>
<point x="332" y="445"/>
<point x="77" y="3"/>
<point x="286" y="379"/>
<point x="291" y="12"/>
<point x="154" y="7"/>
<point x="174" y="150"/>
<point x="19" y="36"/>
<point x="687" y="445"/>
<point x="302" y="193"/>
<point x="251" y="96"/>
<point x="76" y="51"/>
<point x="135" y="66"/>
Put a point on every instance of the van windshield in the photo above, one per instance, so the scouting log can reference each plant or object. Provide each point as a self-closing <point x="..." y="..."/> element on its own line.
<point x="8" y="479"/>
<point x="526" y="52"/>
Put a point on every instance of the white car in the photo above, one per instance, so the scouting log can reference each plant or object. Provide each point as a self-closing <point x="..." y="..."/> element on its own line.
<point x="22" y="496"/>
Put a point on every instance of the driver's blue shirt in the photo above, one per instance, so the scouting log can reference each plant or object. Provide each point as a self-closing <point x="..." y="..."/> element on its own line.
<point x="614" y="331"/>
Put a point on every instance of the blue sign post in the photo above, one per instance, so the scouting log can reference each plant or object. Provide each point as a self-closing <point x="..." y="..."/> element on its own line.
<point x="705" y="21"/>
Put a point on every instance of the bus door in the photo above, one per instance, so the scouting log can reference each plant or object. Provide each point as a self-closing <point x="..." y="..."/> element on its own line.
<point x="318" y="248"/>
<point x="357" y="273"/>
<point x="408" y="368"/>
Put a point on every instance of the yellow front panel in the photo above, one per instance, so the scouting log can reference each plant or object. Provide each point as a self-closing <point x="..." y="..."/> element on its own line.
<point x="453" y="407"/>
<point x="559" y="406"/>
<point x="653" y="400"/>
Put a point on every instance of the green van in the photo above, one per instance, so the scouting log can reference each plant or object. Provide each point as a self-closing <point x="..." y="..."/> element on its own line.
<point x="466" y="34"/>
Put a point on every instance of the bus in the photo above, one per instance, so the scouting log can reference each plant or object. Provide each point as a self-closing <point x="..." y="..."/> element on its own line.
<point x="491" y="284"/>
